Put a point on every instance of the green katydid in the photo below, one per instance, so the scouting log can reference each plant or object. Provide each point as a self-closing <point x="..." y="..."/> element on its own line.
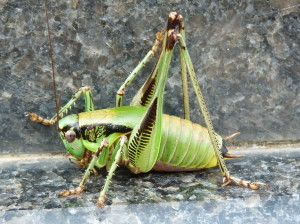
<point x="140" y="136"/>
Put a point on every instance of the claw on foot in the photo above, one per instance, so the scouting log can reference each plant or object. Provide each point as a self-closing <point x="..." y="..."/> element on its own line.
<point x="243" y="183"/>
<point x="66" y="193"/>
<point x="101" y="202"/>
<point x="36" y="118"/>
<point x="96" y="172"/>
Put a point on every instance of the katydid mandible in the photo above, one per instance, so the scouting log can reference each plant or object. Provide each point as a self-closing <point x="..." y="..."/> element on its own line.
<point x="140" y="136"/>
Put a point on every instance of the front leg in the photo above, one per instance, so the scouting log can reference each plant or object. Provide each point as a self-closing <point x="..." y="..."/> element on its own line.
<point x="89" y="106"/>
<point x="87" y="173"/>
<point x="36" y="118"/>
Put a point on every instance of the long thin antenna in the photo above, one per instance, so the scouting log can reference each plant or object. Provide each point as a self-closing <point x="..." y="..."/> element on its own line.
<point x="52" y="60"/>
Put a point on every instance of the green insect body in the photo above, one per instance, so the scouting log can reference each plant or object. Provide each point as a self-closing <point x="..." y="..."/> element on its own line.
<point x="183" y="143"/>
<point x="140" y="136"/>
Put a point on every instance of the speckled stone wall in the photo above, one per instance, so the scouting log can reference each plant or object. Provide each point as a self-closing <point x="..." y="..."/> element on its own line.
<point x="246" y="54"/>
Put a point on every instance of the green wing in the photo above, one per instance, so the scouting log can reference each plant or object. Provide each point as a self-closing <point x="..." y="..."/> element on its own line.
<point x="145" y="139"/>
<point x="144" y="142"/>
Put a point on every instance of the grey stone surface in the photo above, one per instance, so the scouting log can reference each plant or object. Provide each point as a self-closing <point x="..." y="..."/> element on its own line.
<point x="246" y="54"/>
<point x="30" y="187"/>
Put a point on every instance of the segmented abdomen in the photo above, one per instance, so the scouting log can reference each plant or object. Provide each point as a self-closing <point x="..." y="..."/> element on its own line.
<point x="186" y="144"/>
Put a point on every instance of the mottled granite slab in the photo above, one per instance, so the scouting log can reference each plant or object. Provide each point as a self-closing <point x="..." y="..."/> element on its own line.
<point x="245" y="52"/>
<point x="29" y="193"/>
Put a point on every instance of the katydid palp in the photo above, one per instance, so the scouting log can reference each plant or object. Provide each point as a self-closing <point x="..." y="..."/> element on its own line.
<point x="140" y="136"/>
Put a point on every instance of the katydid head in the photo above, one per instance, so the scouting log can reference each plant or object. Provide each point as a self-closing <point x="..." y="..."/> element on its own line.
<point x="69" y="131"/>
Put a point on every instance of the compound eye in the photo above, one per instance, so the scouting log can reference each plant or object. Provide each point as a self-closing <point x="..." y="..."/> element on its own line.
<point x="70" y="136"/>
